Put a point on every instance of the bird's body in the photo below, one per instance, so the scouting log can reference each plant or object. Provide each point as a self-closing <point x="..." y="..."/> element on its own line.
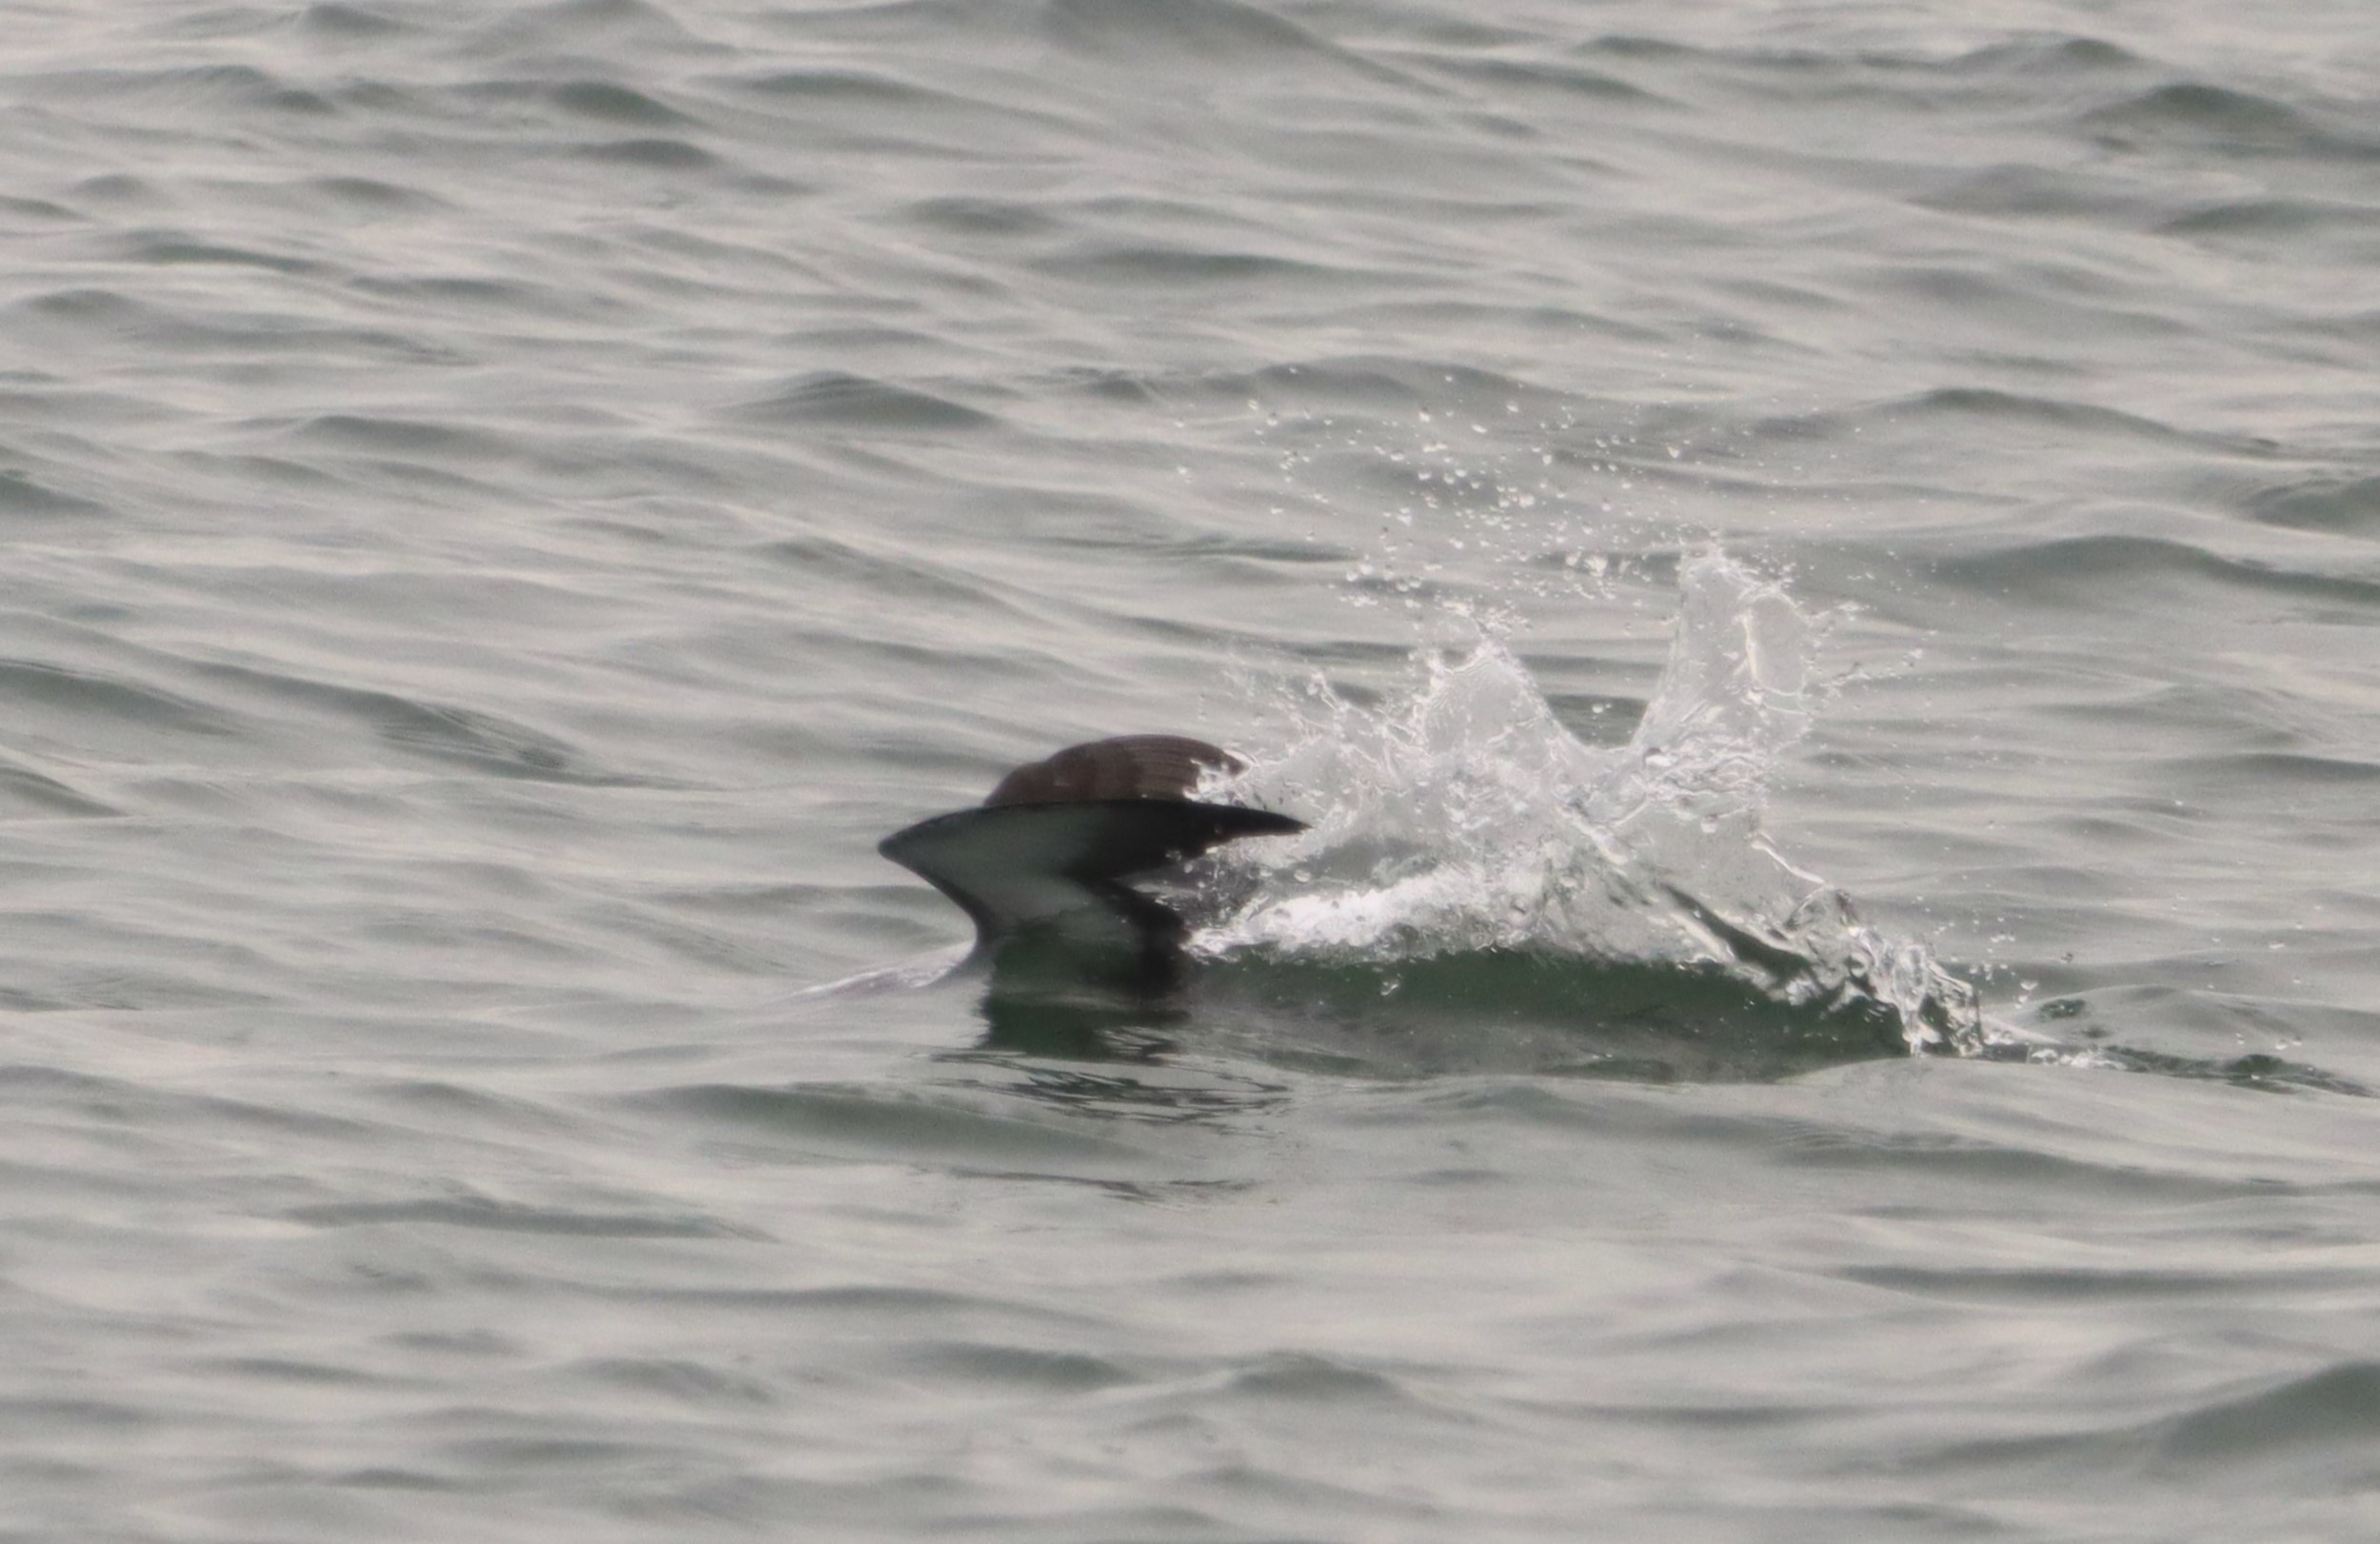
<point x="1046" y="857"/>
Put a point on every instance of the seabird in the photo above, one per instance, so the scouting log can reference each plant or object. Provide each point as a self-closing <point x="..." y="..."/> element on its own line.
<point x="1046" y="857"/>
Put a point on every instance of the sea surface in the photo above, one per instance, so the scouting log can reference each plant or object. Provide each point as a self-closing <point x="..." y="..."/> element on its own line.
<point x="1813" y="566"/>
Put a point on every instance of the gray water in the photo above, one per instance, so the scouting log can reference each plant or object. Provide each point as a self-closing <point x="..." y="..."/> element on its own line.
<point x="505" y="505"/>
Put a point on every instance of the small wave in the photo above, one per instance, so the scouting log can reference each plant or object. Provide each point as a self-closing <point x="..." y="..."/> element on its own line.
<point x="660" y="154"/>
<point x="2257" y="1070"/>
<point x="2021" y="191"/>
<point x="1640" y="45"/>
<point x="131" y="1105"/>
<point x="2343" y="504"/>
<point x="1541" y="75"/>
<point x="2294" y="1436"/>
<point x="476" y="739"/>
<point x="372" y="194"/>
<point x="182" y="86"/>
<point x="344" y="22"/>
<point x="506" y="296"/>
<point x="906" y="578"/>
<point x="872" y="111"/>
<point x="861" y="1124"/>
<point x="2079" y="418"/>
<point x="403" y="436"/>
<point x="2218" y="120"/>
<point x="2280" y="217"/>
<point x="504" y="1216"/>
<point x="1322" y="387"/>
<point x="26" y="794"/>
<point x="1021" y="1368"/>
<point x="2331" y="1410"/>
<point x="574" y="25"/>
<point x="87" y="303"/>
<point x="1214" y="30"/>
<point x="458" y="735"/>
<point x="20" y="495"/>
<point x="1143" y="264"/>
<point x="833" y="398"/>
<point x="2037" y="56"/>
<point x="1303" y="1377"/>
<point x="2046" y="1285"/>
<point x="38" y="208"/>
<point x="122" y="187"/>
<point x="843" y="86"/>
<point x="2240" y="117"/>
<point x="680" y="1379"/>
<point x="977" y="216"/>
<point x="2061" y="572"/>
<point x="171" y="248"/>
<point x="2280" y="769"/>
<point x="2031" y="57"/>
<point x="611" y="103"/>
<point x="85" y="694"/>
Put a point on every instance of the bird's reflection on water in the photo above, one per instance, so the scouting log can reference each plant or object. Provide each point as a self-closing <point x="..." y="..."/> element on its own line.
<point x="1102" y="1050"/>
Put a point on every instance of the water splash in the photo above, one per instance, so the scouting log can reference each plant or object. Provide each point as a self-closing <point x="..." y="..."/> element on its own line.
<point x="1462" y="817"/>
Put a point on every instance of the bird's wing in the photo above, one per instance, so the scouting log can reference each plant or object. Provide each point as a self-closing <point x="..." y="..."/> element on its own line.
<point x="1019" y="866"/>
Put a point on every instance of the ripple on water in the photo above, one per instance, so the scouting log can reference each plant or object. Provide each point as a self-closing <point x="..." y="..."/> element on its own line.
<point x="1150" y="32"/>
<point x="2080" y="420"/>
<point x="680" y="1380"/>
<point x="21" y="497"/>
<point x="610" y="101"/>
<point x="2308" y="1438"/>
<point x="481" y="740"/>
<point x="835" y="399"/>
<point x="1015" y="1368"/>
<point x="1306" y="1377"/>
<point x="653" y="152"/>
<point x="509" y="1217"/>
<point x="336" y="22"/>
<point x="2218" y="120"/>
<point x="167" y="247"/>
<point x="859" y="1123"/>
<point x="25" y="794"/>
<point x="2329" y="1421"/>
<point x="2341" y="504"/>
<point x="97" y="703"/>
<point x="898" y="578"/>
<point x="190" y="92"/>
<point x="2143" y="572"/>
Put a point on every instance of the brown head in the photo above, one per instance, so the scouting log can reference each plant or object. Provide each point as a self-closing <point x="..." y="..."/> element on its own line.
<point x="1129" y="767"/>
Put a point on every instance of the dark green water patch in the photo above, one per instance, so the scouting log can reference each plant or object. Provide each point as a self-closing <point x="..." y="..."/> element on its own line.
<point x="1499" y="1011"/>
